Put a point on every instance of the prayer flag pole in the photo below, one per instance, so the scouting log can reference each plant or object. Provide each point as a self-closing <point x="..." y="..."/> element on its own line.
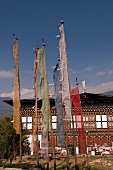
<point x="65" y="83"/>
<point x="35" y="127"/>
<point x="16" y="97"/>
<point x="45" y="109"/>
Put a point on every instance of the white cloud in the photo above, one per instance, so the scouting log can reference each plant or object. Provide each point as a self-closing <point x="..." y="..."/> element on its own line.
<point x="6" y="74"/>
<point x="25" y="93"/>
<point x="101" y="73"/>
<point x="101" y="88"/>
<point x="106" y="72"/>
<point x="29" y="93"/>
<point x="90" y="68"/>
<point x="87" y="69"/>
<point x="6" y="95"/>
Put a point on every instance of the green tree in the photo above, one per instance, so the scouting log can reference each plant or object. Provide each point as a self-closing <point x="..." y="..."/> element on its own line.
<point x="9" y="140"/>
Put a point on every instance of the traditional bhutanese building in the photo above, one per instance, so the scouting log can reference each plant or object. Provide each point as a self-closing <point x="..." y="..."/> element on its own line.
<point x="97" y="111"/>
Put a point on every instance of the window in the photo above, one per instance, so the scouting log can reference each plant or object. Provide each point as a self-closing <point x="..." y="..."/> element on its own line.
<point x="92" y="124"/>
<point x="110" y="124"/>
<point x="98" y="121"/>
<point x="79" y="121"/>
<point x="104" y="124"/>
<point x="92" y="118"/>
<point x="83" y="119"/>
<point x="73" y="122"/>
<point x="110" y="118"/>
<point x="23" y="119"/>
<point x="86" y="118"/>
<point x="86" y="124"/>
<point x="98" y="117"/>
<point x="98" y="124"/>
<point x="23" y="125"/>
<point x="104" y="118"/>
<point x="101" y="121"/>
<point x="27" y="122"/>
<point x="54" y="120"/>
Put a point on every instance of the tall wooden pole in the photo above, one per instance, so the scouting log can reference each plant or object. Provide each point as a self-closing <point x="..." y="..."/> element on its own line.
<point x="35" y="127"/>
<point x="16" y="97"/>
<point x="20" y="147"/>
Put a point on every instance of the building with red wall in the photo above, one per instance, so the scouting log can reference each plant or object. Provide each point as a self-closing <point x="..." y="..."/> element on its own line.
<point x="97" y="112"/>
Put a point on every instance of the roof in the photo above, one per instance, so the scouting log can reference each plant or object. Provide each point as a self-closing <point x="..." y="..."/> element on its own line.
<point x="31" y="102"/>
<point x="91" y="96"/>
<point x="85" y="97"/>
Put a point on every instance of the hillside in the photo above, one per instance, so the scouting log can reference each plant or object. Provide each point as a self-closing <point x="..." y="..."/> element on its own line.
<point x="5" y="109"/>
<point x="109" y="93"/>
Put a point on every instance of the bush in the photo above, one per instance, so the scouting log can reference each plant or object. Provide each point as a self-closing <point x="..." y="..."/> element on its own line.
<point x="25" y="166"/>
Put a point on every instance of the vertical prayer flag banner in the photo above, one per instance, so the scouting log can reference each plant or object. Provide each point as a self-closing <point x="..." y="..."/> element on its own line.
<point x="36" y="76"/>
<point x="64" y="74"/>
<point x="16" y="92"/>
<point x="44" y="92"/>
<point x="44" y="145"/>
<point x="35" y="121"/>
<point x="58" y="103"/>
<point x="84" y="85"/>
<point x="78" y="111"/>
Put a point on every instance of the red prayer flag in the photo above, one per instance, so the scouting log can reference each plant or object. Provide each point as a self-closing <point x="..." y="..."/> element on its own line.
<point x="75" y="97"/>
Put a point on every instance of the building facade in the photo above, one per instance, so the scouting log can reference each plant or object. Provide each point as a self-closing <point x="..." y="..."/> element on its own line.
<point x="97" y="112"/>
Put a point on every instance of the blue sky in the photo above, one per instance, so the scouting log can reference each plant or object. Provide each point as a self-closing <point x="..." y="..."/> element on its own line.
<point x="89" y="39"/>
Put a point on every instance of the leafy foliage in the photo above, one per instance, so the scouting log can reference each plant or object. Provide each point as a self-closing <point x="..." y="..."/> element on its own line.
<point x="10" y="141"/>
<point x="41" y="166"/>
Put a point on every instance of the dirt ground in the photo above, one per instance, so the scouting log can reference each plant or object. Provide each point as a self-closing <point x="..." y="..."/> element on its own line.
<point x="105" y="162"/>
<point x="102" y="163"/>
<point x="61" y="162"/>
